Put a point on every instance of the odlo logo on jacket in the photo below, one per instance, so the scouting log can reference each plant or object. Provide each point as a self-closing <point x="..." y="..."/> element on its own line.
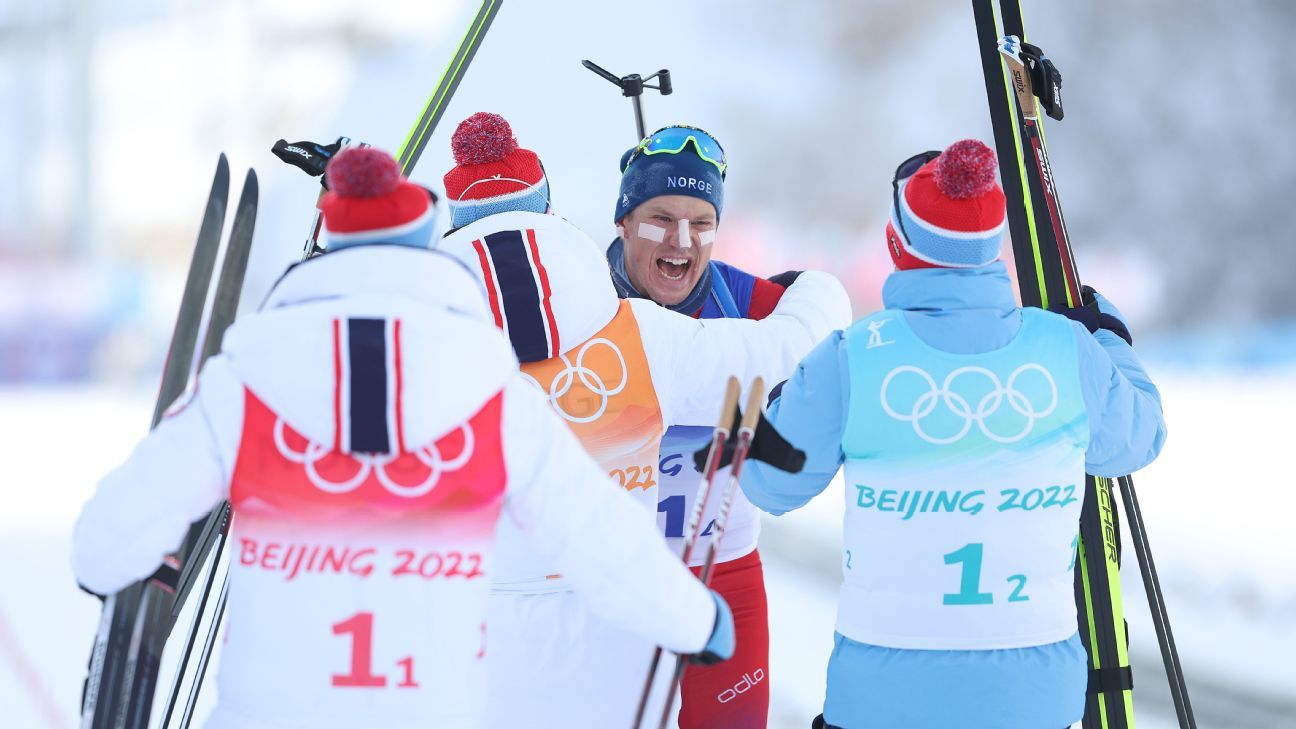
<point x="743" y="686"/>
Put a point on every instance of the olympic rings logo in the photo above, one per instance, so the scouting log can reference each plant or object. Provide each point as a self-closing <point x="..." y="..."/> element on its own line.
<point x="376" y="464"/>
<point x="959" y="406"/>
<point x="572" y="372"/>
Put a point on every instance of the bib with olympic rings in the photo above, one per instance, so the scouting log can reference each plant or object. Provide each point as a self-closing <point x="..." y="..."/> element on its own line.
<point x="604" y="391"/>
<point x="283" y="474"/>
<point x="964" y="481"/>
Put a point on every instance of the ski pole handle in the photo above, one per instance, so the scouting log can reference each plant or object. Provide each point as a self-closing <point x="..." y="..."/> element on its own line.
<point x="718" y="438"/>
<point x="309" y="157"/>
<point x="746" y="432"/>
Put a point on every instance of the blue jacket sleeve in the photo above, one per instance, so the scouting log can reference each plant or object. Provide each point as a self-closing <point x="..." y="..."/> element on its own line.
<point x="1127" y="429"/>
<point x="810" y="412"/>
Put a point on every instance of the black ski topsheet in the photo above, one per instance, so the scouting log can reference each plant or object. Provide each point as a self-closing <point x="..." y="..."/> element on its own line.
<point x="1047" y="275"/>
<point x="111" y="671"/>
<point x="412" y="148"/>
<point x="143" y="615"/>
<point x="211" y="532"/>
<point x="184" y="338"/>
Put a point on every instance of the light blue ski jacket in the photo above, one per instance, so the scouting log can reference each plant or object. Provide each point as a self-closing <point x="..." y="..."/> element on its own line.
<point x="964" y="311"/>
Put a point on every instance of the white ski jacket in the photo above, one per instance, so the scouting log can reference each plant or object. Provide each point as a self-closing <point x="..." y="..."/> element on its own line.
<point x="620" y="371"/>
<point x="371" y="429"/>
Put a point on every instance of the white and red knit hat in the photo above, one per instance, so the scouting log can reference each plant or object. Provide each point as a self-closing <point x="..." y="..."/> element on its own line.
<point x="369" y="202"/>
<point x="950" y="212"/>
<point x="492" y="174"/>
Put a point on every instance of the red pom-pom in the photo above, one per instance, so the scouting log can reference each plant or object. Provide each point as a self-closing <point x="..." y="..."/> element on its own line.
<point x="966" y="169"/>
<point x="362" y="172"/>
<point x="482" y="138"/>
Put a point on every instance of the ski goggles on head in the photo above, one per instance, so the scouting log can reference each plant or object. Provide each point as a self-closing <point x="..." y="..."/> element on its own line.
<point x="907" y="169"/>
<point x="673" y="140"/>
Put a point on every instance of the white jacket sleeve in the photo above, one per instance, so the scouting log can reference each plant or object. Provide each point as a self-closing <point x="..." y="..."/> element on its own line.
<point x="691" y="359"/>
<point x="601" y="540"/>
<point x="175" y="476"/>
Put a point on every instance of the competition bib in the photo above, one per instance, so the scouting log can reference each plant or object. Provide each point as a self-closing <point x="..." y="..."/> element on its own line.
<point x="364" y="569"/>
<point x="964" y="480"/>
<point x="603" y="390"/>
<point x="678" y="484"/>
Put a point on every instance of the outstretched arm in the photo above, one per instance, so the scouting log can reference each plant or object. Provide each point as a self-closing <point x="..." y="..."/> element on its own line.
<point x="809" y="410"/>
<point x="604" y="543"/>
<point x="691" y="360"/>
<point x="142" y="509"/>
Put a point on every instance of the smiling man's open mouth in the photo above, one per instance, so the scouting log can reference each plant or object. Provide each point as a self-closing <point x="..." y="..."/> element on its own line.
<point x="674" y="268"/>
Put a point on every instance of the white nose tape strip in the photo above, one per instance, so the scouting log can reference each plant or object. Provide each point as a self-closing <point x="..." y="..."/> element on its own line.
<point x="654" y="233"/>
<point x="685" y="240"/>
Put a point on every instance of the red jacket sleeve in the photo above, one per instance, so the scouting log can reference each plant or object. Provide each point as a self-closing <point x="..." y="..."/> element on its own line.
<point x="764" y="297"/>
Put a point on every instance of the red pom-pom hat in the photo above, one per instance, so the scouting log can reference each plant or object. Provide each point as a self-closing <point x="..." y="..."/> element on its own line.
<point x="369" y="202"/>
<point x="951" y="211"/>
<point x="492" y="174"/>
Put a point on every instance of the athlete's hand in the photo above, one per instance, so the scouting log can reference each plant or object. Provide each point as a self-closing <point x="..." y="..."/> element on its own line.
<point x="1095" y="313"/>
<point x="720" y="647"/>
<point x="767" y="446"/>
<point x="785" y="279"/>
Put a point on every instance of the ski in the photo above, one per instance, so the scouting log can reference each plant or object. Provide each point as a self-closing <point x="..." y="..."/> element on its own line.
<point x="299" y="154"/>
<point x="1020" y="82"/>
<point x="114" y="658"/>
<point x="412" y="148"/>
<point x="208" y="537"/>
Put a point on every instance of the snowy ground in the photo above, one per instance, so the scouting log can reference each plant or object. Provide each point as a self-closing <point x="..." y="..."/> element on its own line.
<point x="1216" y="507"/>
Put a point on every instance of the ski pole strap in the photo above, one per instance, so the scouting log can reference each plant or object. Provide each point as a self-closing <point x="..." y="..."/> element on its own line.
<point x="1046" y="80"/>
<point x="1102" y="680"/>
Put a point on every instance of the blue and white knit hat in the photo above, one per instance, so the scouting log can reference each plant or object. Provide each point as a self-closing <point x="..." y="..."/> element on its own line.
<point x="950" y="212"/>
<point x="492" y="174"/>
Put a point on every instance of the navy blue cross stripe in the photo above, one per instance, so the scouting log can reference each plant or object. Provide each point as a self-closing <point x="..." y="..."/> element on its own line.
<point x="520" y="294"/>
<point x="368" y="357"/>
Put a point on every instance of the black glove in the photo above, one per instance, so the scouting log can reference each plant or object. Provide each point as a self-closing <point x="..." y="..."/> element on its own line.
<point x="767" y="446"/>
<point x="310" y="157"/>
<point x="785" y="279"/>
<point x="1092" y="317"/>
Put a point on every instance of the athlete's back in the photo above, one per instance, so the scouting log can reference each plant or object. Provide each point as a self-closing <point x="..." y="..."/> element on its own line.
<point x="369" y="468"/>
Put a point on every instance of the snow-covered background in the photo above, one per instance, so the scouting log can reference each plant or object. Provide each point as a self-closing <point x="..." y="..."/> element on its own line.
<point x="1173" y="163"/>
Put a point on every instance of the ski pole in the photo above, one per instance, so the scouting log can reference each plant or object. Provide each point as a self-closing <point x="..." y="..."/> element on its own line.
<point x="746" y="431"/>
<point x="718" y="438"/>
<point x="632" y="86"/>
<point x="1156" y="604"/>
